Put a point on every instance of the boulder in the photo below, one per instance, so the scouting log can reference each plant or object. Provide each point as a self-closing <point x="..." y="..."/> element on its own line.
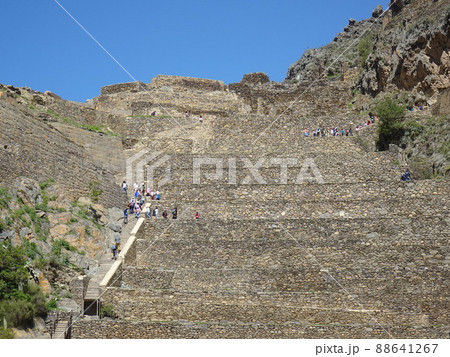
<point x="25" y="232"/>
<point x="51" y="94"/>
<point x="116" y="227"/>
<point x="115" y="214"/>
<point x="373" y="235"/>
<point x="377" y="12"/>
<point x="99" y="213"/>
<point x="68" y="305"/>
<point x="84" y="201"/>
<point x="45" y="284"/>
<point x="37" y="99"/>
<point x="28" y="191"/>
<point x="442" y="106"/>
<point x="5" y="235"/>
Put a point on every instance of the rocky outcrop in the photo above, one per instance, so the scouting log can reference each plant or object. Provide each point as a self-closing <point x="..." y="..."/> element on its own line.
<point x="408" y="50"/>
<point x="442" y="107"/>
<point x="338" y="55"/>
<point x="412" y="51"/>
<point x="61" y="238"/>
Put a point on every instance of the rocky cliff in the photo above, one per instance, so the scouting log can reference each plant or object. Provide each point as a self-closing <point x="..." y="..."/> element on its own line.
<point x="411" y="52"/>
<point x="404" y="48"/>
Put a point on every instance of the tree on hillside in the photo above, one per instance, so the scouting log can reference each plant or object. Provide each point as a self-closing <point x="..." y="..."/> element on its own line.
<point x="391" y="128"/>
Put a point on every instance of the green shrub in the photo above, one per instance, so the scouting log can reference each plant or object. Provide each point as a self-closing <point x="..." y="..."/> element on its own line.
<point x="13" y="272"/>
<point x="107" y="310"/>
<point x="21" y="311"/>
<point x="59" y="244"/>
<point x="37" y="298"/>
<point x="30" y="249"/>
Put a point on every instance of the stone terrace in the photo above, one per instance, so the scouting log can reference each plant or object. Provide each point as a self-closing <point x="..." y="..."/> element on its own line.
<point x="362" y="255"/>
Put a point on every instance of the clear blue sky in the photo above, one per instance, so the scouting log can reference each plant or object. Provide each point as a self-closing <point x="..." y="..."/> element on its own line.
<point x="43" y="48"/>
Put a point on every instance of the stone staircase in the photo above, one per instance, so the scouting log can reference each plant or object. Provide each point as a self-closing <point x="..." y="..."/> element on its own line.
<point x="94" y="292"/>
<point x="362" y="255"/>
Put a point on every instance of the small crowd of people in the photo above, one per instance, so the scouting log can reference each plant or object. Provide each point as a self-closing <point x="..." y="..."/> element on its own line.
<point x="137" y="201"/>
<point x="335" y="131"/>
<point x="137" y="207"/>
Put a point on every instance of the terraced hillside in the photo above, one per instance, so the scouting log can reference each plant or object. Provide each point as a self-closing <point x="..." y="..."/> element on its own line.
<point x="357" y="255"/>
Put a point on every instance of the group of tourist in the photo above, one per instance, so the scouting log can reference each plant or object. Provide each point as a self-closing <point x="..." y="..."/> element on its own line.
<point x="335" y="131"/>
<point x="137" y="202"/>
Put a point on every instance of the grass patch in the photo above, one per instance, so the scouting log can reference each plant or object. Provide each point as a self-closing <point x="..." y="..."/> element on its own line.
<point x="94" y="190"/>
<point x="102" y="129"/>
<point x="44" y="184"/>
<point x="60" y="244"/>
<point x="52" y="305"/>
<point x="4" y="198"/>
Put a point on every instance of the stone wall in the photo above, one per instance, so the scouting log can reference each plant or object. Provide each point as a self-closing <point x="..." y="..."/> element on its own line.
<point x="189" y="83"/>
<point x="161" y="330"/>
<point x="78" y="288"/>
<point x="131" y="87"/>
<point x="320" y="303"/>
<point x="33" y="148"/>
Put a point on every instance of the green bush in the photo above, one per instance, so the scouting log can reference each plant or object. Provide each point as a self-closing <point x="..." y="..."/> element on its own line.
<point x="20" y="301"/>
<point x="21" y="311"/>
<point x="107" y="310"/>
<point x="6" y="333"/>
<point x="59" y="244"/>
<point x="391" y="128"/>
<point x="13" y="272"/>
<point x="52" y="305"/>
